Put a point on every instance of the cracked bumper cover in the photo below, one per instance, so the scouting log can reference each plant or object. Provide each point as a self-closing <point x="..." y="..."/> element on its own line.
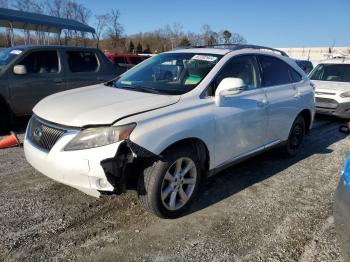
<point x="91" y="171"/>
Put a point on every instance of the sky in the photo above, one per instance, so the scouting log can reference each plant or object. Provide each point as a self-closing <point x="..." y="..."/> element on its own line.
<point x="293" y="23"/>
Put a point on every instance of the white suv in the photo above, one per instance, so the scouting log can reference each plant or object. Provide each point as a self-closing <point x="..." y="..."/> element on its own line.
<point x="170" y="121"/>
<point x="332" y="82"/>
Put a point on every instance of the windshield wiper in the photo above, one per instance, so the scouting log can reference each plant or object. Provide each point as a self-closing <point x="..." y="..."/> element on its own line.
<point x="148" y="90"/>
<point x="142" y="89"/>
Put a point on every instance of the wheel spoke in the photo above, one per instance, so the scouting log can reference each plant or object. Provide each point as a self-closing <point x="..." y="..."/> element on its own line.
<point x="186" y="169"/>
<point x="178" y="166"/>
<point x="189" y="181"/>
<point x="183" y="195"/>
<point x="166" y="192"/>
<point x="172" y="201"/>
<point x="169" y="177"/>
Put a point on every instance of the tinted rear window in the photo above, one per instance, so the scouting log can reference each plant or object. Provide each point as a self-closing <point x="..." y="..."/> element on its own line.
<point x="331" y="72"/>
<point x="82" y="61"/>
<point x="120" y="60"/>
<point x="275" y="71"/>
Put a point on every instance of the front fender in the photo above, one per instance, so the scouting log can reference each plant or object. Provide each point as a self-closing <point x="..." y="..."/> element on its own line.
<point x="158" y="133"/>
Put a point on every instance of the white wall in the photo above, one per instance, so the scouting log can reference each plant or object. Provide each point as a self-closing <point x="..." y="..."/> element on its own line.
<point x="316" y="54"/>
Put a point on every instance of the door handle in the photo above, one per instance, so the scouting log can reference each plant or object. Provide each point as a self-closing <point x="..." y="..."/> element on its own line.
<point x="58" y="80"/>
<point x="263" y="103"/>
<point x="100" y="79"/>
<point x="297" y="93"/>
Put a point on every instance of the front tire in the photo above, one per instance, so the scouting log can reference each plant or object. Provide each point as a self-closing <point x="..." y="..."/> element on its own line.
<point x="4" y="119"/>
<point x="296" y="137"/>
<point x="167" y="187"/>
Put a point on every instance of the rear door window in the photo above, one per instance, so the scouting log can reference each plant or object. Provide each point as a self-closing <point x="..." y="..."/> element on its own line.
<point x="41" y="62"/>
<point x="82" y="61"/>
<point x="275" y="71"/>
<point x="294" y="75"/>
<point x="120" y="60"/>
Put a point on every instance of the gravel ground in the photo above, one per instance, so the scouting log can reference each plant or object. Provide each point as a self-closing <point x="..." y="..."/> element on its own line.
<point x="265" y="209"/>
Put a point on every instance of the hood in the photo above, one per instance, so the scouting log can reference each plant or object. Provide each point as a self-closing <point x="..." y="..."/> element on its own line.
<point x="331" y="86"/>
<point x="97" y="105"/>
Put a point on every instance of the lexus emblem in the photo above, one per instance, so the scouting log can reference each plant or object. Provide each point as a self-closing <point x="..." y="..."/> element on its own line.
<point x="38" y="132"/>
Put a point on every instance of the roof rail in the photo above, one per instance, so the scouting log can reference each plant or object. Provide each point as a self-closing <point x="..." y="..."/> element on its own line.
<point x="237" y="47"/>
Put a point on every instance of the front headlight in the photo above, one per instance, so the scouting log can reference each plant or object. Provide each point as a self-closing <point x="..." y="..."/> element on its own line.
<point x="99" y="136"/>
<point x="345" y="94"/>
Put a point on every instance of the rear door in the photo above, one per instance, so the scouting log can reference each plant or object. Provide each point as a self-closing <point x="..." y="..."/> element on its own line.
<point x="241" y="121"/>
<point x="44" y="77"/>
<point x="281" y="83"/>
<point x="83" y="68"/>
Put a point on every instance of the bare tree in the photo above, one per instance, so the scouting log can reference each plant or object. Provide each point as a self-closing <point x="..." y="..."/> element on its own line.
<point x="238" y="39"/>
<point x="101" y="24"/>
<point x="115" y="29"/>
<point x="227" y="36"/>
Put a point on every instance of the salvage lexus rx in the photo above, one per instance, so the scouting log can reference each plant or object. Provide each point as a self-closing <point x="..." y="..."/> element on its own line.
<point x="171" y="121"/>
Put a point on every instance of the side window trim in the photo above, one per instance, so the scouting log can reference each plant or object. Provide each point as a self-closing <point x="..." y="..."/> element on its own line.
<point x="204" y="95"/>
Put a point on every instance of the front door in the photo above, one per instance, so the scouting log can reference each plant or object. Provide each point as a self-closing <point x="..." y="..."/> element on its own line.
<point x="241" y="121"/>
<point x="44" y="77"/>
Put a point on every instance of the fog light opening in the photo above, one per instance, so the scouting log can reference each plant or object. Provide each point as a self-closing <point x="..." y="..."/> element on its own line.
<point x="102" y="183"/>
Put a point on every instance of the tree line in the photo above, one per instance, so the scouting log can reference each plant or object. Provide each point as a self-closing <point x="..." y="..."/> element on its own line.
<point x="110" y="34"/>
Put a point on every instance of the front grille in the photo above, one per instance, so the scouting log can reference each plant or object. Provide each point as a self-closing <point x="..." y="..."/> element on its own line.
<point x="44" y="135"/>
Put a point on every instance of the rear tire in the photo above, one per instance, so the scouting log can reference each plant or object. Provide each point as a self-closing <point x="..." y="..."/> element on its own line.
<point x="168" y="185"/>
<point x="296" y="137"/>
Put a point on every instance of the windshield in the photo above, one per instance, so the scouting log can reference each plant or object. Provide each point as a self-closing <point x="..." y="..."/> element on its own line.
<point x="331" y="72"/>
<point x="7" y="55"/>
<point x="169" y="73"/>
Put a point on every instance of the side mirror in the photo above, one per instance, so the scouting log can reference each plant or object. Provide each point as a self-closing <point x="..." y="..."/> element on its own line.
<point x="20" y="70"/>
<point x="229" y="86"/>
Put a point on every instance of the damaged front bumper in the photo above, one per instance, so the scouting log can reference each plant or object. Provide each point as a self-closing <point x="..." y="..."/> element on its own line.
<point x="92" y="171"/>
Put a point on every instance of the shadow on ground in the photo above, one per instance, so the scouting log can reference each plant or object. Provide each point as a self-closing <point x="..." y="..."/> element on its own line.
<point x="266" y="165"/>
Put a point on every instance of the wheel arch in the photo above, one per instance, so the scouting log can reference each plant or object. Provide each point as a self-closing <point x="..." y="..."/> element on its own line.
<point x="6" y="106"/>
<point x="307" y="115"/>
<point x="199" y="147"/>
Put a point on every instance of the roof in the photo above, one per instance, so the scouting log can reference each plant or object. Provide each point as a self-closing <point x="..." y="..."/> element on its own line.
<point x="215" y="51"/>
<point x="26" y="47"/>
<point x="222" y="49"/>
<point x="39" y="22"/>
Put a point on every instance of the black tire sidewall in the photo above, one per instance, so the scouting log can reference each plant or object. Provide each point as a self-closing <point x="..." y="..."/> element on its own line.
<point x="298" y="121"/>
<point x="4" y="119"/>
<point x="159" y="169"/>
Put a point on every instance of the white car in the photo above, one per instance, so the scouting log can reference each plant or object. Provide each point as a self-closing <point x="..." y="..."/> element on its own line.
<point x="162" y="136"/>
<point x="332" y="82"/>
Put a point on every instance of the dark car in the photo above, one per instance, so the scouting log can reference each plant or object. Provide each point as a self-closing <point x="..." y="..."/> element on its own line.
<point x="30" y="73"/>
<point x="306" y="65"/>
<point x="342" y="211"/>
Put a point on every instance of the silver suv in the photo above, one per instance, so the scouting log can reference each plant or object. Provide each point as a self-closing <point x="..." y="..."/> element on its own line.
<point x="30" y="73"/>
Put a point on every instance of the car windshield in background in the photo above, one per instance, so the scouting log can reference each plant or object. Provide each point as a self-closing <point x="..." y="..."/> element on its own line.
<point x="7" y="55"/>
<point x="169" y="73"/>
<point x="331" y="72"/>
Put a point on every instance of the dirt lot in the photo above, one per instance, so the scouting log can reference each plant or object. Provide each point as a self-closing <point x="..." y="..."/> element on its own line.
<point x="266" y="209"/>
